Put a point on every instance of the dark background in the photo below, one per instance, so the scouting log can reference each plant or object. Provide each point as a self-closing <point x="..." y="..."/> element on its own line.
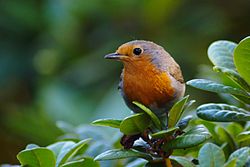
<point x="51" y="57"/>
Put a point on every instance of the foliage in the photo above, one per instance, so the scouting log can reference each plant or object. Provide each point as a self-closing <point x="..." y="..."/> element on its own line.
<point x="60" y="154"/>
<point x="51" y="65"/>
<point x="156" y="144"/>
<point x="233" y="138"/>
<point x="76" y="147"/>
<point x="171" y="139"/>
<point x="212" y="155"/>
<point x="154" y="139"/>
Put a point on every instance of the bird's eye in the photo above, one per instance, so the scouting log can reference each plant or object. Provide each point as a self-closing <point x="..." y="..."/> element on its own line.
<point x="137" y="51"/>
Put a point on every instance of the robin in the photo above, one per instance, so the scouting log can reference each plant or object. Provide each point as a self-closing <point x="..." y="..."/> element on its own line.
<point x="150" y="76"/>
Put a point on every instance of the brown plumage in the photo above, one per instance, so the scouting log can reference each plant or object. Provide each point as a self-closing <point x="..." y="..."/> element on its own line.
<point x="150" y="76"/>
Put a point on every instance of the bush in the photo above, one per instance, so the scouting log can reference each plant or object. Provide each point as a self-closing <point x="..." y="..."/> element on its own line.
<point x="175" y="140"/>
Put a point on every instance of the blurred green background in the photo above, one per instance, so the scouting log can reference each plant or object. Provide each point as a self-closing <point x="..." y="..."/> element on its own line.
<point x="51" y="57"/>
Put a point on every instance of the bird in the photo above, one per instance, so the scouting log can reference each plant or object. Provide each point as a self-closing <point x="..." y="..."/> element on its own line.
<point x="150" y="76"/>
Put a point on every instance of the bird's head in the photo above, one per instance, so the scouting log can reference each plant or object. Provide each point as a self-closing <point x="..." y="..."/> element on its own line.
<point x="137" y="51"/>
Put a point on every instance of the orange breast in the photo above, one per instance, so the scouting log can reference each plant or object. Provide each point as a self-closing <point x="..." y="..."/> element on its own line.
<point x="144" y="83"/>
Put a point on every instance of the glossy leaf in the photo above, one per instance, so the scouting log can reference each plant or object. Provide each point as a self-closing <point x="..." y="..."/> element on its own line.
<point x="231" y="163"/>
<point x="188" y="104"/>
<point x="241" y="155"/>
<point x="211" y="155"/>
<point x="242" y="58"/>
<point x="164" y="133"/>
<point x="220" y="53"/>
<point x="154" y="118"/>
<point x="182" y="161"/>
<point x="37" y="157"/>
<point x="193" y="137"/>
<point x="221" y="106"/>
<point x="243" y="136"/>
<point x="137" y="163"/>
<point x="86" y="162"/>
<point x="211" y="126"/>
<point x="176" y="112"/>
<point x="58" y="146"/>
<point x="135" y="124"/>
<point x="234" y="128"/>
<point x="65" y="150"/>
<point x="225" y="136"/>
<point x="31" y="146"/>
<point x="216" y="87"/>
<point x="66" y="154"/>
<point x="183" y="123"/>
<point x="222" y="113"/>
<point x="234" y="76"/>
<point x="107" y="122"/>
<point x="242" y="99"/>
<point x="121" y="154"/>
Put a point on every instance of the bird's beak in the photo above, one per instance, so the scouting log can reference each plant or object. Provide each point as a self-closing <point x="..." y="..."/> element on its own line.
<point x="115" y="56"/>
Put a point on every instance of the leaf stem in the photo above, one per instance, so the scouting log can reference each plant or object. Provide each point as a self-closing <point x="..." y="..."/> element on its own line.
<point x="168" y="162"/>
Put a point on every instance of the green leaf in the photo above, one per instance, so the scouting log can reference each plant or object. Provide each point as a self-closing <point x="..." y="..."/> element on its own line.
<point x="231" y="163"/>
<point x="222" y="113"/>
<point x="242" y="58"/>
<point x="182" y="161"/>
<point x="234" y="128"/>
<point x="135" y="124"/>
<point x="121" y="154"/>
<point x="234" y="76"/>
<point x="193" y="137"/>
<point x="137" y="163"/>
<point x="241" y="155"/>
<point x="86" y="162"/>
<point x="243" y="136"/>
<point x="108" y="122"/>
<point x="188" y="104"/>
<point x="176" y="112"/>
<point x="37" y="157"/>
<point x="242" y="99"/>
<point x="211" y="126"/>
<point x="154" y="118"/>
<point x="164" y="133"/>
<point x="225" y="136"/>
<point x="220" y="53"/>
<point x="211" y="155"/>
<point x="183" y="123"/>
<point x="221" y="106"/>
<point x="65" y="150"/>
<point x="59" y="146"/>
<point x="31" y="146"/>
<point x="216" y="87"/>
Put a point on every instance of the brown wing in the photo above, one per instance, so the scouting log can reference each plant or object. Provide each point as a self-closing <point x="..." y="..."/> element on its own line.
<point x="175" y="71"/>
<point x="165" y="62"/>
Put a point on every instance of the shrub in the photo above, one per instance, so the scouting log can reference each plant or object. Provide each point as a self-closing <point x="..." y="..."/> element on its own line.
<point x="175" y="140"/>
